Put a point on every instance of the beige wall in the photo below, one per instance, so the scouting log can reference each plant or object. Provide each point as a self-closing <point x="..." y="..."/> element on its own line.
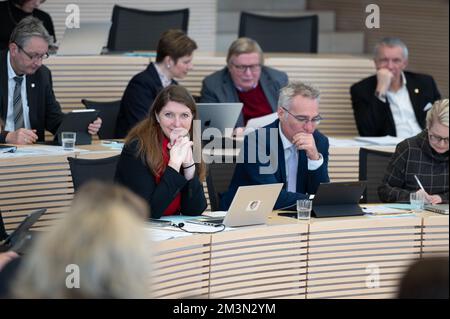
<point x="202" y="15"/>
<point x="422" y="25"/>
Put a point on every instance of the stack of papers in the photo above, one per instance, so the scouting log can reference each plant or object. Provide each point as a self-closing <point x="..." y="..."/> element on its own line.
<point x="386" y="210"/>
<point x="380" y="140"/>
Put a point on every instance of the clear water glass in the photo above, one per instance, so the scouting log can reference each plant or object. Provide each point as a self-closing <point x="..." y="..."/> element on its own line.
<point x="304" y="207"/>
<point x="68" y="140"/>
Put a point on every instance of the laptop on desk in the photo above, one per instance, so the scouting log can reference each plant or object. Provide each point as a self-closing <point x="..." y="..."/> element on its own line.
<point x="222" y="116"/>
<point x="439" y="208"/>
<point x="89" y="39"/>
<point x="251" y="205"/>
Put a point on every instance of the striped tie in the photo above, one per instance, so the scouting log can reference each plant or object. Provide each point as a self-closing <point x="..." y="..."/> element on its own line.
<point x="17" y="103"/>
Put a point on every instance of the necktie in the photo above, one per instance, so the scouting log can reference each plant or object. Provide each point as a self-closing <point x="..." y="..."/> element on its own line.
<point x="292" y="169"/>
<point x="17" y="103"/>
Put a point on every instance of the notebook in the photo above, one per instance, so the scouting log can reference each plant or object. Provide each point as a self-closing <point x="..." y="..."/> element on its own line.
<point x="251" y="205"/>
<point x="88" y="39"/>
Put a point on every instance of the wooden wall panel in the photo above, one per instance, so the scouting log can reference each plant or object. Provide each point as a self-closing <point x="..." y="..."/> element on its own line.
<point x="422" y="25"/>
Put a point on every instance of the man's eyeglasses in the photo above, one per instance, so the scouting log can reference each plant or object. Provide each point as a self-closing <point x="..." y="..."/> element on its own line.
<point x="33" y="57"/>
<point x="242" y="68"/>
<point x="304" y="119"/>
<point x="437" y="139"/>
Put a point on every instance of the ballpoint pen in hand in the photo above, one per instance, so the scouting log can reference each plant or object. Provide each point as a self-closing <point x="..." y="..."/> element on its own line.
<point x="420" y="184"/>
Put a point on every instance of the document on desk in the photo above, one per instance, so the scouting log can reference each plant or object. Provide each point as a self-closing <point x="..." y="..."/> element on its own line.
<point x="39" y="150"/>
<point x="385" y="211"/>
<point x="380" y="140"/>
<point x="341" y="142"/>
<point x="164" y="233"/>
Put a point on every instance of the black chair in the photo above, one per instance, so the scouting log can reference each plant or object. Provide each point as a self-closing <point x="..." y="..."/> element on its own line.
<point x="281" y="34"/>
<point x="372" y="167"/>
<point x="108" y="113"/>
<point x="217" y="181"/>
<point x="134" y="29"/>
<point x="3" y="233"/>
<point x="84" y="170"/>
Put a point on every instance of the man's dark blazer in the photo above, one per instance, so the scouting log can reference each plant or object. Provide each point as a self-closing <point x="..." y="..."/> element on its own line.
<point x="248" y="173"/>
<point x="219" y="88"/>
<point x="374" y="117"/>
<point x="44" y="111"/>
<point x="137" y="99"/>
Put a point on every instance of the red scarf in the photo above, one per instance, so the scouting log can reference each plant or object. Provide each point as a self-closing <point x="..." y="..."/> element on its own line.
<point x="175" y="205"/>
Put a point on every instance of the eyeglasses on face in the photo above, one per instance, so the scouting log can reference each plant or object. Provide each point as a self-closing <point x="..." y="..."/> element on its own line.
<point x="33" y="57"/>
<point x="437" y="139"/>
<point x="304" y="119"/>
<point x="243" y="68"/>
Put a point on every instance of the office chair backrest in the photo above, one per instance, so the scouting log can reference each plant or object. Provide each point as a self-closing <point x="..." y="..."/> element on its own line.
<point x="3" y="233"/>
<point x="84" y="170"/>
<point x="372" y="167"/>
<point x="108" y="113"/>
<point x="281" y="34"/>
<point x="217" y="181"/>
<point x="134" y="29"/>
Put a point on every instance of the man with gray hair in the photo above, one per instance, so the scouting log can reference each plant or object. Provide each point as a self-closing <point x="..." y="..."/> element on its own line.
<point x="245" y="79"/>
<point x="392" y="102"/>
<point x="28" y="105"/>
<point x="297" y="153"/>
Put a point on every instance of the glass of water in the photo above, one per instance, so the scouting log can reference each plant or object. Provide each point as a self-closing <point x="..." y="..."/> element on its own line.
<point x="304" y="207"/>
<point x="417" y="201"/>
<point x="68" y="140"/>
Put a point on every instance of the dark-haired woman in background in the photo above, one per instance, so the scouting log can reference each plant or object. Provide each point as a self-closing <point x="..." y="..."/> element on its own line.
<point x="174" y="55"/>
<point x="12" y="11"/>
<point x="157" y="161"/>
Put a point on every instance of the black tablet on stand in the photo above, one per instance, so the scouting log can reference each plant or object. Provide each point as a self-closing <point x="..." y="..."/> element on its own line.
<point x="77" y="121"/>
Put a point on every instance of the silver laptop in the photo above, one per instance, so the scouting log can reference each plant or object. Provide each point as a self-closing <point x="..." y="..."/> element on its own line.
<point x="222" y="116"/>
<point x="439" y="208"/>
<point x="88" y="39"/>
<point x="251" y="205"/>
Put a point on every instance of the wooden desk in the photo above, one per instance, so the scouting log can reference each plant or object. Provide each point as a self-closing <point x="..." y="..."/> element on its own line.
<point x="346" y="257"/>
<point x="39" y="181"/>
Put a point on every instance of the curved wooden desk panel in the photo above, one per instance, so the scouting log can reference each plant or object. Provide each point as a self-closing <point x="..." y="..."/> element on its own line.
<point x="347" y="257"/>
<point x="259" y="263"/>
<point x="435" y="235"/>
<point x="344" y="254"/>
<point x="37" y="181"/>
<point x="182" y="268"/>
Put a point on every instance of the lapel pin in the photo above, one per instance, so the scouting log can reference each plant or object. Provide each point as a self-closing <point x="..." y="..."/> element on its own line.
<point x="32" y="85"/>
<point x="416" y="91"/>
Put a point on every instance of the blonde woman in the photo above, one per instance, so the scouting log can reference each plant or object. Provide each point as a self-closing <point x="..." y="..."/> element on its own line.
<point x="98" y="250"/>
<point x="425" y="156"/>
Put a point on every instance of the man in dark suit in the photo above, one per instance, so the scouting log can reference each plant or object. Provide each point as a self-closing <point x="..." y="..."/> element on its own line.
<point x="245" y="79"/>
<point x="392" y="102"/>
<point x="28" y="105"/>
<point x="289" y="150"/>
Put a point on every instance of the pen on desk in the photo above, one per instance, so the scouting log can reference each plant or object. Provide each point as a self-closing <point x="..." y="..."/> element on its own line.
<point x="418" y="182"/>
